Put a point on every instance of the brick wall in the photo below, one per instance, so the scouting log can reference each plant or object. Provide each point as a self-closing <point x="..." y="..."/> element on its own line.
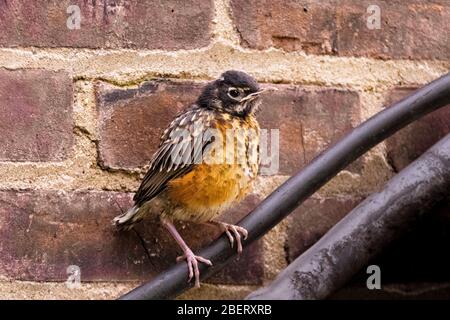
<point x="81" y="111"/>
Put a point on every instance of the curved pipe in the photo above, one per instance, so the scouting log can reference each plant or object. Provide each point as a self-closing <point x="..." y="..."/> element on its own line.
<point x="298" y="188"/>
<point x="365" y="231"/>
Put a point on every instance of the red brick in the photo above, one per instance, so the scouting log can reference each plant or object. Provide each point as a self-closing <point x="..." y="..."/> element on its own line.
<point x="43" y="232"/>
<point x="291" y="25"/>
<point x="309" y="222"/>
<point x="408" y="28"/>
<point x="309" y="121"/>
<point x="35" y="115"/>
<point x="416" y="29"/>
<point x="132" y="120"/>
<point x="411" y="142"/>
<point x="171" y="24"/>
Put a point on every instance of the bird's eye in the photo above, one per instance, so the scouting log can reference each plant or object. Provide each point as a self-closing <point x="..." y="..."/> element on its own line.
<point x="233" y="93"/>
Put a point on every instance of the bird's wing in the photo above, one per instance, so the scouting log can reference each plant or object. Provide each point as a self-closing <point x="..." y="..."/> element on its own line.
<point x="182" y="145"/>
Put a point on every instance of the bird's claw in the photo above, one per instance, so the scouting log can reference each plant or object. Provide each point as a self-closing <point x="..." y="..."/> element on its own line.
<point x="234" y="233"/>
<point x="192" y="262"/>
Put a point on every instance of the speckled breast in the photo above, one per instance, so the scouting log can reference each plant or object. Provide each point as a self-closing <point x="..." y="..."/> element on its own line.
<point x="225" y="174"/>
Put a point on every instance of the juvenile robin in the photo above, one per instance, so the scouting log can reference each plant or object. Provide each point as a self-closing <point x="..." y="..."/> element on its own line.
<point x="206" y="161"/>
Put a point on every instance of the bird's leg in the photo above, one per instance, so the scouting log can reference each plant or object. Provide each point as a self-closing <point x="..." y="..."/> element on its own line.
<point x="233" y="232"/>
<point x="191" y="259"/>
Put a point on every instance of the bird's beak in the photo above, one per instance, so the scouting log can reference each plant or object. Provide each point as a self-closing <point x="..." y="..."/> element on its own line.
<point x="257" y="93"/>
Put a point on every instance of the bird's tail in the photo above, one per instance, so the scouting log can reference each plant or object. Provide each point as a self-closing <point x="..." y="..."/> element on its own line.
<point x="126" y="220"/>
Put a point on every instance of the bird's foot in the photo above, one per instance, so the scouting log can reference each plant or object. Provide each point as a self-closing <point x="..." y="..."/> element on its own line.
<point x="192" y="261"/>
<point x="234" y="233"/>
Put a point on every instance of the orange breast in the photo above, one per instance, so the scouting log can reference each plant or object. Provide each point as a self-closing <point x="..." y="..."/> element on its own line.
<point x="216" y="183"/>
<point x="209" y="187"/>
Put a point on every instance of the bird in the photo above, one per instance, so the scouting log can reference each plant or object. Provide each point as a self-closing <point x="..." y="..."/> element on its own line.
<point x="206" y="161"/>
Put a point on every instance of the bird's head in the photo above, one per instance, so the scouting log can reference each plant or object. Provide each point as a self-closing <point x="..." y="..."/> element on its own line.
<point x="235" y="92"/>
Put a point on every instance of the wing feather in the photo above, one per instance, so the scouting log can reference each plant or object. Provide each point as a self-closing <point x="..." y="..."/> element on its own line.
<point x="180" y="149"/>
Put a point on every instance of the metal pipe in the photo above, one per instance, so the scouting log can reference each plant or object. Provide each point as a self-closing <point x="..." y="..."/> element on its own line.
<point x="365" y="231"/>
<point x="298" y="188"/>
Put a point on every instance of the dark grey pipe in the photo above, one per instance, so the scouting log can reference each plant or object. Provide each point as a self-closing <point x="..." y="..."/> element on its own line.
<point x="298" y="188"/>
<point x="366" y="230"/>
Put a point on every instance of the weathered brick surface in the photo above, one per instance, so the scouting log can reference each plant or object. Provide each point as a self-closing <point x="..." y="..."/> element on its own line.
<point x="132" y="120"/>
<point x="172" y="24"/>
<point x="408" y="28"/>
<point x="43" y="232"/>
<point x="309" y="121"/>
<point x="35" y="115"/>
<point x="411" y="142"/>
<point x="312" y="220"/>
<point x="290" y="25"/>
